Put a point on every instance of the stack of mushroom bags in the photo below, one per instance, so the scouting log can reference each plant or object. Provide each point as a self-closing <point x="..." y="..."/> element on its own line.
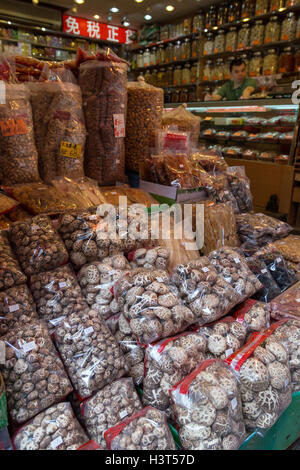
<point x="86" y="317"/>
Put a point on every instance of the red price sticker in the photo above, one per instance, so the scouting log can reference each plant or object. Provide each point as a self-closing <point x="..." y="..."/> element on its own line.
<point x="119" y="125"/>
<point x="10" y="127"/>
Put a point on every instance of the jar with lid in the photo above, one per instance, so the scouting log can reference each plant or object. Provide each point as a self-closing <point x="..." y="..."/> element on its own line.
<point x="147" y="58"/>
<point x="245" y="58"/>
<point x="244" y="36"/>
<point x="198" y="23"/>
<point x="231" y="39"/>
<point x="222" y="14"/>
<point x="187" y="26"/>
<point x="272" y="32"/>
<point x="161" y="77"/>
<point x="140" y="60"/>
<point x="226" y="69"/>
<point x="257" y="33"/>
<point x="169" y="53"/>
<point x="147" y="76"/>
<point x="186" y="75"/>
<point x="192" y="95"/>
<point x="275" y="5"/>
<point x="153" y="53"/>
<point x="186" y="49"/>
<point x="154" y="77"/>
<point x="177" y="76"/>
<point x="261" y="7"/>
<point x="211" y="17"/>
<point x="219" y="44"/>
<point x="214" y="71"/>
<point x="168" y="96"/>
<point x="179" y="30"/>
<point x="220" y="69"/>
<point x="288" y="28"/>
<point x="208" y="44"/>
<point x="169" y="76"/>
<point x="194" y="72"/>
<point x="172" y="31"/>
<point x="297" y="61"/>
<point x="160" y="56"/>
<point x="184" y="94"/>
<point x="286" y="61"/>
<point x="234" y="12"/>
<point x="207" y="71"/>
<point x="247" y="9"/>
<point x="195" y="47"/>
<point x="177" y="51"/>
<point x="255" y="65"/>
<point x="270" y="64"/>
<point x="175" y="96"/>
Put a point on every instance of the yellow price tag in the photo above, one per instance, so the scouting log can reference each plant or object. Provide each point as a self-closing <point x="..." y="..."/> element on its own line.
<point x="70" y="150"/>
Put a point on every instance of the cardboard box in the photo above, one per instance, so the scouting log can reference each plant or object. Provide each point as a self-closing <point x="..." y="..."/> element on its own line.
<point x="172" y="194"/>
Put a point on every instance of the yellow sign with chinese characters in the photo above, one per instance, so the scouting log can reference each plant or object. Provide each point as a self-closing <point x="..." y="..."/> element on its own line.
<point x="70" y="150"/>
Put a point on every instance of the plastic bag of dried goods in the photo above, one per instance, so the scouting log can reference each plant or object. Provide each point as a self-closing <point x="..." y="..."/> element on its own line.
<point x="59" y="128"/>
<point x="33" y="372"/>
<point x="54" y="429"/>
<point x="37" y="245"/>
<point x="183" y="120"/>
<point x="4" y="223"/>
<point x="10" y="271"/>
<point x="208" y="411"/>
<point x="210" y="160"/>
<point x="253" y="315"/>
<point x="287" y="304"/>
<point x="133" y="353"/>
<point x="262" y="368"/>
<point x="144" y="114"/>
<point x="18" y="214"/>
<point x="240" y="187"/>
<point x="276" y="266"/>
<point x="90" y="445"/>
<point x="203" y="291"/>
<point x="260" y="228"/>
<point x="166" y="363"/>
<point x="219" y="227"/>
<point x="103" y="84"/>
<point x="18" y="154"/>
<point x="86" y="191"/>
<point x="3" y="405"/>
<point x="89" y="352"/>
<point x="108" y="407"/>
<point x="56" y="294"/>
<point x="145" y="430"/>
<point x="289" y="248"/>
<point x="7" y="204"/>
<point x="97" y="280"/>
<point x="16" y="308"/>
<point x="270" y="287"/>
<point x="233" y="268"/>
<point x="149" y="305"/>
<point x="149" y="258"/>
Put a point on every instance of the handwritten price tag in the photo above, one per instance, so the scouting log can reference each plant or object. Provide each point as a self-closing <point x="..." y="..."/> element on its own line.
<point x="119" y="125"/>
<point x="70" y="150"/>
<point x="10" y="127"/>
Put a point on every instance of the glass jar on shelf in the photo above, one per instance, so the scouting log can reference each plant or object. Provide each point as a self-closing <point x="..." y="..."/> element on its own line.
<point x="140" y="60"/>
<point x="261" y="7"/>
<point x="208" y="47"/>
<point x="289" y="27"/>
<point x="226" y="71"/>
<point x="187" y="26"/>
<point x="247" y="9"/>
<point x="270" y="64"/>
<point x="169" y="53"/>
<point x="160" y="56"/>
<point x="195" y="47"/>
<point x="234" y="12"/>
<point x="272" y="31"/>
<point x="220" y="69"/>
<point x="255" y="65"/>
<point x="298" y="28"/>
<point x="153" y="53"/>
<point x="154" y="77"/>
<point x="192" y="97"/>
<point x="211" y="17"/>
<point x="257" y="33"/>
<point x="207" y="71"/>
<point x="219" y="43"/>
<point x="214" y="71"/>
<point x="194" y="73"/>
<point x="186" y="75"/>
<point x="244" y="37"/>
<point x="172" y="31"/>
<point x="186" y="49"/>
<point x="222" y="16"/>
<point x="161" y="77"/>
<point x="169" y="76"/>
<point x="147" y="76"/>
<point x="177" y="51"/>
<point x="177" y="76"/>
<point x="175" y="96"/>
<point x="245" y="58"/>
<point x="198" y="22"/>
<point x="276" y="5"/>
<point x="179" y="30"/>
<point x="168" y="96"/>
<point x="184" y="95"/>
<point x="146" y="58"/>
<point x="292" y="3"/>
<point x="297" y="61"/>
<point x="231" y="39"/>
<point x="286" y="60"/>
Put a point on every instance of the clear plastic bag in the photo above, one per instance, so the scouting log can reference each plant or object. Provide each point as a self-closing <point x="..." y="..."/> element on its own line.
<point x="149" y="258"/>
<point x="232" y="267"/>
<point x="208" y="409"/>
<point x="38" y="245"/>
<point x="85" y="190"/>
<point x="260" y="228"/>
<point x="144" y="115"/>
<point x="145" y="430"/>
<point x="210" y="160"/>
<point x="277" y="266"/>
<point x="7" y="204"/>
<point x="254" y="315"/>
<point x="19" y="157"/>
<point x="33" y="372"/>
<point x="184" y="120"/>
<point x="289" y="248"/>
<point x="103" y="84"/>
<point x="270" y="287"/>
<point x="53" y="429"/>
<point x="10" y="271"/>
<point x="89" y="352"/>
<point x="109" y="407"/>
<point x="262" y="369"/>
<point x="219" y="227"/>
<point x="287" y="304"/>
<point x="57" y="294"/>
<point x="17" y="308"/>
<point x="240" y="187"/>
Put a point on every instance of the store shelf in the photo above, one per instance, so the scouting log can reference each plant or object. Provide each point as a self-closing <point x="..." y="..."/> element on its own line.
<point x="177" y="62"/>
<point x="61" y="48"/>
<point x="165" y="41"/>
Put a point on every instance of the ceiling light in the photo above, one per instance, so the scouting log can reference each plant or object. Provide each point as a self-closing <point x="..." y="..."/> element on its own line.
<point x="80" y="2"/>
<point x="114" y="10"/>
<point x="138" y="1"/>
<point x="148" y="17"/>
<point x="74" y="9"/>
<point x="35" y="2"/>
<point x="9" y="22"/>
<point x="170" y="8"/>
<point x="43" y="29"/>
<point x="109" y="17"/>
<point x="96" y="17"/>
<point x="126" y="23"/>
<point x="245" y="20"/>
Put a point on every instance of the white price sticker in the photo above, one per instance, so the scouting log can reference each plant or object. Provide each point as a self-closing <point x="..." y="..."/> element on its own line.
<point x="54" y="444"/>
<point x="27" y="347"/>
<point x="234" y="403"/>
<point x="228" y="352"/>
<point x="114" y="193"/>
<point x="119" y="125"/>
<point x="2" y="92"/>
<point x="34" y="228"/>
<point x="264" y="271"/>
<point x="56" y="321"/>
<point x="89" y="330"/>
<point x="278" y="260"/>
<point x="123" y="414"/>
<point x="298" y="300"/>
<point x="62" y="284"/>
<point x="92" y="217"/>
<point x="205" y="270"/>
<point x="2" y="352"/>
<point x="13" y="308"/>
<point x="237" y="260"/>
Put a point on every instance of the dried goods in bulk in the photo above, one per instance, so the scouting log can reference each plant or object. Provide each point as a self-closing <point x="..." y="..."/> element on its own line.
<point x="33" y="372"/>
<point x="53" y="429"/>
<point x="288" y="28"/>
<point x="276" y="265"/>
<point x="287" y="304"/>
<point x="108" y="407"/>
<point x="289" y="248"/>
<point x="89" y="352"/>
<point x="258" y="229"/>
<point x="231" y="40"/>
<point x="253" y="315"/>
<point x="56" y="294"/>
<point x="208" y="411"/>
<point x="257" y="33"/>
<point x="37" y="245"/>
<point x="239" y="185"/>
<point x="261" y="7"/>
<point x="16" y="308"/>
<point x="184" y="120"/>
<point x="7" y="204"/>
<point x="270" y="287"/>
<point x="219" y="227"/>
<point x="272" y="31"/>
<point x="19" y="158"/>
<point x="10" y="271"/>
<point x="145" y="430"/>
<point x="152" y="258"/>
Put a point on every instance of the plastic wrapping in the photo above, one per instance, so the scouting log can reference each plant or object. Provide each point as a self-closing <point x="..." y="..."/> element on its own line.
<point x="19" y="158"/>
<point x="287" y="304"/>
<point x="33" y="373"/>
<point x="210" y="160"/>
<point x="37" y="245"/>
<point x="17" y="308"/>
<point x="85" y="191"/>
<point x="97" y="280"/>
<point x="144" y="115"/>
<point x="208" y="408"/>
<point x="253" y="315"/>
<point x="145" y="430"/>
<point x="289" y="248"/>
<point x="18" y="214"/>
<point x="10" y="271"/>
<point x="3" y="407"/>
<point x="184" y="120"/>
<point x="219" y="227"/>
<point x="233" y="268"/>
<point x="218" y="190"/>
<point x="262" y="369"/>
<point x="133" y="353"/>
<point x="151" y="258"/>
<point x="203" y="291"/>
<point x="108" y="407"/>
<point x="112" y="194"/>
<point x="89" y="352"/>
<point x="103" y="85"/>
<point x="277" y="266"/>
<point x="57" y="294"/>
<point x="270" y="287"/>
<point x="149" y="305"/>
<point x="7" y="204"/>
<point x="259" y="228"/>
<point x="53" y="429"/>
<point x="4" y="223"/>
<point x="240" y="186"/>
<point x="59" y="129"/>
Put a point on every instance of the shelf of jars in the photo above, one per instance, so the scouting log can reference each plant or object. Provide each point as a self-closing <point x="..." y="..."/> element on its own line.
<point x="163" y="42"/>
<point x="166" y="64"/>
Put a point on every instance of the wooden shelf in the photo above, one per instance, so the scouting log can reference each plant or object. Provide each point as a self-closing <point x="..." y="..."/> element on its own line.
<point x="61" y="48"/>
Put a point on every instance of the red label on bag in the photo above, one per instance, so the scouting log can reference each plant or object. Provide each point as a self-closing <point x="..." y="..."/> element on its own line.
<point x="185" y="383"/>
<point x="240" y="312"/>
<point x="111" y="433"/>
<point x="167" y="341"/>
<point x="10" y="127"/>
<point x="119" y="125"/>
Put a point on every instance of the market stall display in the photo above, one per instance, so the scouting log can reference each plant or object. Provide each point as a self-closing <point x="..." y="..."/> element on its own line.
<point x="219" y="227"/>
<point x="10" y="270"/>
<point x="17" y="308"/>
<point x="183" y="120"/>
